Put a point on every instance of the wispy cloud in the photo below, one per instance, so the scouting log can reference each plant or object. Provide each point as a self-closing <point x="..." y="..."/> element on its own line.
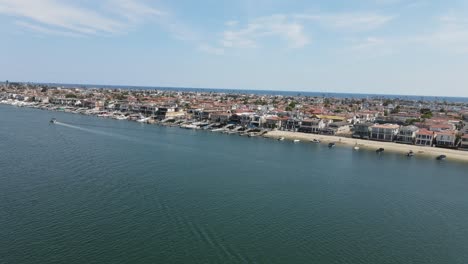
<point x="450" y="34"/>
<point x="348" y="21"/>
<point x="48" y="16"/>
<point x="272" y="26"/>
<point x="45" y="30"/>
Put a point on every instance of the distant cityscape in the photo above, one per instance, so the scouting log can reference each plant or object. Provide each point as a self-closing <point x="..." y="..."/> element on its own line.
<point x="431" y="123"/>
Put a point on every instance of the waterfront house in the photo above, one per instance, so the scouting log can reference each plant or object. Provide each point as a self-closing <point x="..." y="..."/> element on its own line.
<point x="257" y="121"/>
<point x="291" y="124"/>
<point x="464" y="142"/>
<point x="384" y="132"/>
<point x="362" y="130"/>
<point x="407" y="134"/>
<point x="221" y="117"/>
<point x="273" y="122"/>
<point x="245" y="118"/>
<point x="336" y="128"/>
<point x="446" y="139"/>
<point x="169" y="112"/>
<point x="424" y="137"/>
<point x="314" y="125"/>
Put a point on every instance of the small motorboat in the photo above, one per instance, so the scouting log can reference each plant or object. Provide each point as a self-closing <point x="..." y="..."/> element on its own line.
<point x="315" y="140"/>
<point x="280" y="138"/>
<point x="252" y="134"/>
<point x="380" y="150"/>
<point x="356" y="147"/>
<point x="331" y="145"/>
<point x="53" y="121"/>
<point x="441" y="157"/>
<point x="410" y="153"/>
<point x="296" y="140"/>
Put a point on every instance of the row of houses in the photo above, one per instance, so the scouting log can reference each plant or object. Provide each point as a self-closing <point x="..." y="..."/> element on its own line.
<point x="410" y="135"/>
<point x="364" y="126"/>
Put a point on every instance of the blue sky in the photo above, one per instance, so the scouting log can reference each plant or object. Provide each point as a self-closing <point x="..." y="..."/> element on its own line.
<point x="368" y="46"/>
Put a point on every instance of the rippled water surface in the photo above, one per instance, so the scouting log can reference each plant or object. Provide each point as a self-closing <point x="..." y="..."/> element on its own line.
<point x="90" y="190"/>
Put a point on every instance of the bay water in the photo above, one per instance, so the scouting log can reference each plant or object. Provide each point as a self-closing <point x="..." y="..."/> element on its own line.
<point x="94" y="190"/>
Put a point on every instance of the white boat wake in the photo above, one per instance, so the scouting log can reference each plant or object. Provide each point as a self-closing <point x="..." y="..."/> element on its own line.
<point x="97" y="132"/>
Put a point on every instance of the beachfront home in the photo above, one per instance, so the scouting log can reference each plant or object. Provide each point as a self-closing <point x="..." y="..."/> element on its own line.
<point x="464" y="142"/>
<point x="314" y="125"/>
<point x="245" y="118"/>
<point x="384" y="132"/>
<point x="257" y="121"/>
<point x="291" y="124"/>
<point x="336" y="128"/>
<point x="407" y="134"/>
<point x="273" y="122"/>
<point x="169" y="112"/>
<point x="424" y="137"/>
<point x="221" y="117"/>
<point x="446" y="138"/>
<point x="362" y="130"/>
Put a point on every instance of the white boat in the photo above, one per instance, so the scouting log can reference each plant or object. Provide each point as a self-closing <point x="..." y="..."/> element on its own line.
<point x="281" y="138"/>
<point x="296" y="140"/>
<point x="143" y="120"/>
<point x="315" y="140"/>
<point x="189" y="126"/>
<point x="121" y="117"/>
<point x="356" y="147"/>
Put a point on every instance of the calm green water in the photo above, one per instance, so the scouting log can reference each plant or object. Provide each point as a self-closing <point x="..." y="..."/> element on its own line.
<point x="105" y="191"/>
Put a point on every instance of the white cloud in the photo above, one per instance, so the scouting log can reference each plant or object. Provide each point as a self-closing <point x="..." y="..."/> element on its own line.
<point x="212" y="50"/>
<point x="47" y="16"/>
<point x="451" y="34"/>
<point x="45" y="30"/>
<point x="348" y="21"/>
<point x="271" y="26"/>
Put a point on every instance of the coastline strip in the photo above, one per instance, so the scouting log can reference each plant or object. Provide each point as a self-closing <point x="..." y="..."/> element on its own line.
<point x="432" y="152"/>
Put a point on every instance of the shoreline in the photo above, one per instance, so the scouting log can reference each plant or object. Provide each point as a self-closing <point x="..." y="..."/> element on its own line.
<point x="431" y="152"/>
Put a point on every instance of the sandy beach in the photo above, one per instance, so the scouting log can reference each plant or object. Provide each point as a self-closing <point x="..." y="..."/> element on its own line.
<point x="372" y="145"/>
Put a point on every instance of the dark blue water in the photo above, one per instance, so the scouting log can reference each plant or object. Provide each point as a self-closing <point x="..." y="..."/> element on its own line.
<point x="283" y="93"/>
<point x="91" y="190"/>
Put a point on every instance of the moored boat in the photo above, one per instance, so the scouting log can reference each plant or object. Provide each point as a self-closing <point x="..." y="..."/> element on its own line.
<point x="280" y="138"/>
<point x="441" y="157"/>
<point x="410" y="153"/>
<point x="296" y="140"/>
<point x="331" y="145"/>
<point x="380" y="150"/>
<point x="315" y="140"/>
